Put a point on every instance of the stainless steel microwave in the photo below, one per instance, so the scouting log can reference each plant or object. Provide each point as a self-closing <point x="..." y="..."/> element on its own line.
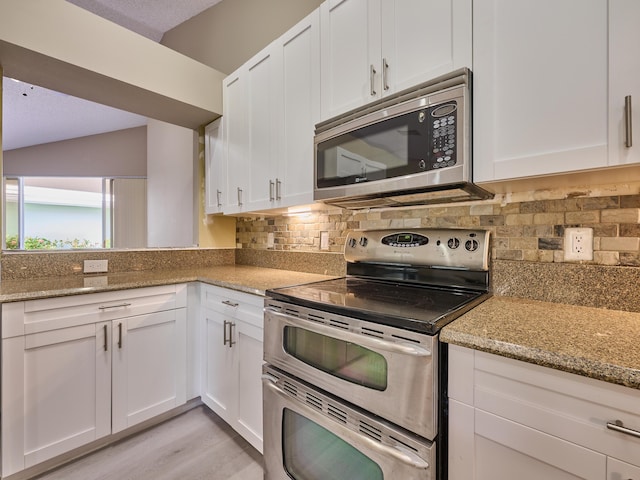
<point x="410" y="148"/>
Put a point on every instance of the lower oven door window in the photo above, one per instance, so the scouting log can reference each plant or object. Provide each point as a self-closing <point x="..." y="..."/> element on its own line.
<point x="343" y="359"/>
<point x="311" y="452"/>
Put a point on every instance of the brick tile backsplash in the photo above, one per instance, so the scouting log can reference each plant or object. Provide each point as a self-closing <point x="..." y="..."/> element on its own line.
<point x="524" y="231"/>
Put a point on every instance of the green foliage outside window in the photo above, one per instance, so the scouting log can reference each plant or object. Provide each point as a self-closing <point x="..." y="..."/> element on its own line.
<point x="40" y="243"/>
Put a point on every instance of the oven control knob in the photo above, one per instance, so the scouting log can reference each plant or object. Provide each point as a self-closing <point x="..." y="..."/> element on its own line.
<point x="352" y="242"/>
<point x="471" y="245"/>
<point x="453" y="243"/>
<point x="364" y="241"/>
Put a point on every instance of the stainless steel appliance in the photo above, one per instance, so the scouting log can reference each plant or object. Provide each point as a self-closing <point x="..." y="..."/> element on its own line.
<point x="355" y="370"/>
<point x="410" y="148"/>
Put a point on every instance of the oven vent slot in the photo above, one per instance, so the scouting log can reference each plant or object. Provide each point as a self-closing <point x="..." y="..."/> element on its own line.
<point x="290" y="388"/>
<point x="338" y="324"/>
<point x="406" y="339"/>
<point x="371" y="332"/>
<point x="403" y="443"/>
<point x="314" y="401"/>
<point x="337" y="413"/>
<point x="370" y="431"/>
<point x="316" y="318"/>
<point x="293" y="313"/>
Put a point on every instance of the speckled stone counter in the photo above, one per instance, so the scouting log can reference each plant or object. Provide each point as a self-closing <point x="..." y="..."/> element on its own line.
<point x="248" y="279"/>
<point x="597" y="343"/>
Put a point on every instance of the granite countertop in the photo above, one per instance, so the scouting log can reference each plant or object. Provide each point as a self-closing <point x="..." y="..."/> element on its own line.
<point x="244" y="278"/>
<point x="593" y="342"/>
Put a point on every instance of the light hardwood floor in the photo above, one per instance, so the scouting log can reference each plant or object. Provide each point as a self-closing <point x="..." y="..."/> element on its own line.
<point x="196" y="445"/>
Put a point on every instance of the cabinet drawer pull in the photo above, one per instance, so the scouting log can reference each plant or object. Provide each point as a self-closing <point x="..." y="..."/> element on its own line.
<point x="271" y="195"/>
<point x="278" y="189"/>
<point x="628" y="126"/>
<point x="120" y="335"/>
<point x="385" y="74"/>
<point x="106" y="345"/>
<point x="218" y="193"/>
<point x="230" y="303"/>
<point x="239" y="197"/>
<point x="232" y="326"/>
<point x="618" y="426"/>
<point x="120" y="305"/>
<point x="372" y="80"/>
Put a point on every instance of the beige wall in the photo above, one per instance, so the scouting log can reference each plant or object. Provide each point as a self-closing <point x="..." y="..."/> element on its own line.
<point x="119" y="154"/>
<point x="232" y="31"/>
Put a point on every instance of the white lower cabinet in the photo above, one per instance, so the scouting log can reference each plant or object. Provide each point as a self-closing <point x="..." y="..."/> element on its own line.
<point x="510" y="419"/>
<point x="231" y="374"/>
<point x="75" y="369"/>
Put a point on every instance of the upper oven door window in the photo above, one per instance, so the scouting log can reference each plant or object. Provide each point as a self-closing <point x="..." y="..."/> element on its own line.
<point x="342" y="359"/>
<point x="411" y="143"/>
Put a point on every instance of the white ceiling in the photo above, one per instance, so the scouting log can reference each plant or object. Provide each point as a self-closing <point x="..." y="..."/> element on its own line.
<point x="33" y="115"/>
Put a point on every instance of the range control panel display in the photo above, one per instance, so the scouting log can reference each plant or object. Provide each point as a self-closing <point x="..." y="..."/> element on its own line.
<point x="405" y="240"/>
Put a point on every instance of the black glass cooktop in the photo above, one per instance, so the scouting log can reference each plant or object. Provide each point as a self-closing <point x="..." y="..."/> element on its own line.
<point x="422" y="309"/>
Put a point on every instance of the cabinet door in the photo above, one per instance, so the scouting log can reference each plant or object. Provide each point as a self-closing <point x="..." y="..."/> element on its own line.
<point x="300" y="87"/>
<point x="350" y="54"/>
<point x="235" y="106"/>
<point x="262" y="103"/>
<point x="250" y="353"/>
<point x="218" y="372"/>
<point x="505" y="450"/>
<point x="617" y="470"/>
<point x="540" y="93"/>
<point x="422" y="39"/>
<point x="215" y="168"/>
<point x="624" y="80"/>
<point x="149" y="366"/>
<point x="56" y="393"/>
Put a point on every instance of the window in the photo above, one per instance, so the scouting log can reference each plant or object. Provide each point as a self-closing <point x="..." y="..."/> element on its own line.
<point x="68" y="212"/>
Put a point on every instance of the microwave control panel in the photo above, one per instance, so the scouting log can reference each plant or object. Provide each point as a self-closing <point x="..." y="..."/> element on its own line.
<point x="442" y="145"/>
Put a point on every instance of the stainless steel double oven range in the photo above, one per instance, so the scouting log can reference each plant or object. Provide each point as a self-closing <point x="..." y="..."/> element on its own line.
<point x="354" y="385"/>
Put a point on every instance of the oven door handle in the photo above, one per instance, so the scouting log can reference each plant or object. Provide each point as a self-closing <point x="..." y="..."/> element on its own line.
<point x="398" y="453"/>
<point x="398" y="347"/>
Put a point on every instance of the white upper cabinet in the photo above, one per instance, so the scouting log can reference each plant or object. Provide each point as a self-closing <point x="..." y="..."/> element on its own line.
<point x="236" y="145"/>
<point x="215" y="168"/>
<point x="624" y="81"/>
<point x="271" y="106"/>
<point x="300" y="85"/>
<point x="372" y="48"/>
<point x="549" y="83"/>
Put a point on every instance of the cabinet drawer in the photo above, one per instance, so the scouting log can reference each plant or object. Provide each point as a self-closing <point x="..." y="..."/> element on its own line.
<point x="232" y="303"/>
<point x="35" y="316"/>
<point x="568" y="406"/>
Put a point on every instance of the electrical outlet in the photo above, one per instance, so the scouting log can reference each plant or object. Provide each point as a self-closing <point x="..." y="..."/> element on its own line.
<point x="96" y="266"/>
<point x="324" y="240"/>
<point x="270" y="241"/>
<point x="578" y="244"/>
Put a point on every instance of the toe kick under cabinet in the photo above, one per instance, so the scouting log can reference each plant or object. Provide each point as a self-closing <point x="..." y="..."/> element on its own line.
<point x="78" y="368"/>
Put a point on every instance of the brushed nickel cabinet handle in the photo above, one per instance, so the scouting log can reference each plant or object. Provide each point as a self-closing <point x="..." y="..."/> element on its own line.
<point x="278" y="189"/>
<point x="230" y="303"/>
<point x="618" y="426"/>
<point x="239" y="197"/>
<point x="628" y="125"/>
<point x="120" y="335"/>
<point x="120" y="305"/>
<point x="106" y="345"/>
<point x="372" y="80"/>
<point x="218" y="193"/>
<point x="385" y="74"/>
<point x="232" y="326"/>
<point x="224" y="332"/>
<point x="271" y="185"/>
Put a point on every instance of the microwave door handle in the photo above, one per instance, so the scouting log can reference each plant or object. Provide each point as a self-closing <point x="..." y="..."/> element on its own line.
<point x="366" y="341"/>
<point x="401" y="454"/>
